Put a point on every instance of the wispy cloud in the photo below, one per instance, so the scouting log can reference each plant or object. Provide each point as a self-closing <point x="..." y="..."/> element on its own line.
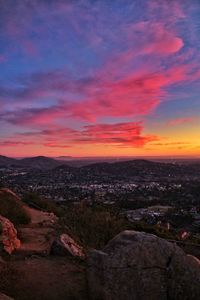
<point x="183" y="120"/>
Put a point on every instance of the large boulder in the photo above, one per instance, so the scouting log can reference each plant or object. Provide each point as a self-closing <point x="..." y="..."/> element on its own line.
<point x="136" y="265"/>
<point x="65" y="245"/>
<point x="8" y="236"/>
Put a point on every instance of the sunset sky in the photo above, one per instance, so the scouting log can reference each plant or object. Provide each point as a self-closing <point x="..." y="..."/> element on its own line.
<point x="99" y="78"/>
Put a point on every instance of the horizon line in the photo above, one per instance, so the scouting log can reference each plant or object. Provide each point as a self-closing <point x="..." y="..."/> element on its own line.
<point x="109" y="157"/>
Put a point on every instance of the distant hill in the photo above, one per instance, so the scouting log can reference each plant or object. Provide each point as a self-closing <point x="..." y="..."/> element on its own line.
<point x="38" y="162"/>
<point x="140" y="167"/>
<point x="119" y="169"/>
<point x="7" y="161"/>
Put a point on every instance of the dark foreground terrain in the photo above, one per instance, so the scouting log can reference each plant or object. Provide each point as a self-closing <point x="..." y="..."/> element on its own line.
<point x="46" y="278"/>
<point x="47" y="252"/>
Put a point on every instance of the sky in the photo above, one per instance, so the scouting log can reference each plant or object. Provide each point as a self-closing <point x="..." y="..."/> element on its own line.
<point x="100" y="78"/>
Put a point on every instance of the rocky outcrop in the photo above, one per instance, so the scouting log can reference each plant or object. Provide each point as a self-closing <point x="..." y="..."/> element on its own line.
<point x="65" y="245"/>
<point x="137" y="265"/>
<point x="8" y="236"/>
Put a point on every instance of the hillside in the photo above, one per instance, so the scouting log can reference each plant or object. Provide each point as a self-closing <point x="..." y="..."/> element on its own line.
<point x="38" y="162"/>
<point x="12" y="208"/>
<point x="121" y="169"/>
<point x="142" y="168"/>
<point x="7" y="161"/>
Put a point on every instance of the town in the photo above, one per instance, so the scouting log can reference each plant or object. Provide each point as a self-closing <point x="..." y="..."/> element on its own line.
<point x="161" y="194"/>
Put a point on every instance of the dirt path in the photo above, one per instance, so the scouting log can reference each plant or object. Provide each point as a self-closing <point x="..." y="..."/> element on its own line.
<point x="38" y="216"/>
<point x="36" y="237"/>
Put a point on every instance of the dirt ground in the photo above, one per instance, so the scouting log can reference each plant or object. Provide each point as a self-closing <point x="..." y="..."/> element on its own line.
<point x="46" y="278"/>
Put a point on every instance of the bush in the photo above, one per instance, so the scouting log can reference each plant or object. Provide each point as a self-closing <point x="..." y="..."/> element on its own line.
<point x="34" y="200"/>
<point x="94" y="226"/>
<point x="12" y="209"/>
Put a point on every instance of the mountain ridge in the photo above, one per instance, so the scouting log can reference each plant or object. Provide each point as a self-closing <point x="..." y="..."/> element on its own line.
<point x="127" y="167"/>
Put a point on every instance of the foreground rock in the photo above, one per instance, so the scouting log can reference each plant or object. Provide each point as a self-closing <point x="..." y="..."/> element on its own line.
<point x="65" y="245"/>
<point x="9" y="240"/>
<point x="136" y="265"/>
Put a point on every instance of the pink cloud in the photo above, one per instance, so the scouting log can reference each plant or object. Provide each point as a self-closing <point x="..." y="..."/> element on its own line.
<point x="133" y="95"/>
<point x="165" y="45"/>
<point x="55" y="145"/>
<point x="136" y="94"/>
<point x="127" y="134"/>
<point x="118" y="134"/>
<point x="154" y="38"/>
<point x="14" y="143"/>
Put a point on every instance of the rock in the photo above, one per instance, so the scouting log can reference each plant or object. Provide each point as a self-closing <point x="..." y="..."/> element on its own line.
<point x="4" y="297"/>
<point x="136" y="265"/>
<point x="65" y="245"/>
<point x="50" y="220"/>
<point x="8" y="236"/>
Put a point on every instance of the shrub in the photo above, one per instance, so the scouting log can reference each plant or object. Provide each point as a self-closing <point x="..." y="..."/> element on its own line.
<point x="34" y="200"/>
<point x="12" y="208"/>
<point x="94" y="226"/>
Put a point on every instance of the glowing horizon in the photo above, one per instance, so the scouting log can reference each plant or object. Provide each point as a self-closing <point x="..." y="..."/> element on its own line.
<point x="100" y="78"/>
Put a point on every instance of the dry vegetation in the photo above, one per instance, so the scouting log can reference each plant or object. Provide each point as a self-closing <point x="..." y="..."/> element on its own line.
<point x="12" y="208"/>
